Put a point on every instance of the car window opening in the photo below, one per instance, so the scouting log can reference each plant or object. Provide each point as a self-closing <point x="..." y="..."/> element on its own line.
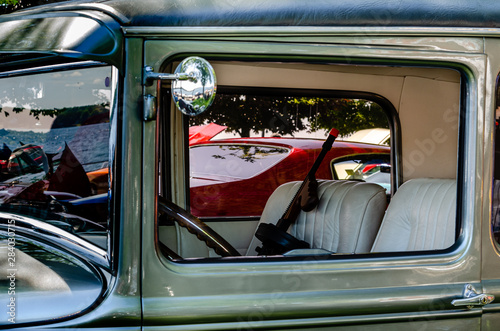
<point x="249" y="153"/>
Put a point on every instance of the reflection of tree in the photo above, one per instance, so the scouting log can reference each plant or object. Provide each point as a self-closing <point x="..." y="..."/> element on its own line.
<point x="67" y="116"/>
<point x="248" y="153"/>
<point x="9" y="6"/>
<point x="204" y="71"/>
<point x="83" y="115"/>
<point x="282" y="115"/>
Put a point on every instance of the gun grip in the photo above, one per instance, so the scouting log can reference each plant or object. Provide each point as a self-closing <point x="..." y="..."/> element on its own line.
<point x="309" y="198"/>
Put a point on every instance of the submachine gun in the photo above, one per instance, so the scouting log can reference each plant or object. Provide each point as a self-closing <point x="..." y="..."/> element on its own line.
<point x="275" y="239"/>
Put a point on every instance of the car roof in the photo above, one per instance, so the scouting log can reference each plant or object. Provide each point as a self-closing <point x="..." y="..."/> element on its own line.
<point x="107" y="22"/>
<point x="96" y="30"/>
<point x="443" y="13"/>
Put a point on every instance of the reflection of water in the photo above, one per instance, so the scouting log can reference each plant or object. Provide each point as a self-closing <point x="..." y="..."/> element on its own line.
<point x="89" y="143"/>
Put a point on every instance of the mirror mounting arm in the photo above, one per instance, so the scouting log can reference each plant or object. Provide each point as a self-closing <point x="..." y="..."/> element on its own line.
<point x="149" y="76"/>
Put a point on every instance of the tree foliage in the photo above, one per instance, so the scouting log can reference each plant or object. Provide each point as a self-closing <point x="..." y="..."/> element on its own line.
<point x="286" y="115"/>
<point x="346" y="115"/>
<point x="9" y="6"/>
<point x="9" y="2"/>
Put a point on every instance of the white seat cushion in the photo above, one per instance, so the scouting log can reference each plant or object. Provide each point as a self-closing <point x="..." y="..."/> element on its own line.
<point x="346" y="219"/>
<point x="421" y="216"/>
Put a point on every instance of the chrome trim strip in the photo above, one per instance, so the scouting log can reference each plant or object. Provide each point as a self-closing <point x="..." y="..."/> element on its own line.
<point x="52" y="68"/>
<point x="306" y="31"/>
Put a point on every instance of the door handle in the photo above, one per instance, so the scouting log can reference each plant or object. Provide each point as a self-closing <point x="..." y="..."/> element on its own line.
<point x="471" y="298"/>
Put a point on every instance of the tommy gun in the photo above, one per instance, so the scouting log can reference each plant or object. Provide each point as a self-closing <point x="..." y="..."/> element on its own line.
<point x="275" y="239"/>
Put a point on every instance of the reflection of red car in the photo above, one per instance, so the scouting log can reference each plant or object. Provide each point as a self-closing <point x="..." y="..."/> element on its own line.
<point x="23" y="160"/>
<point x="235" y="177"/>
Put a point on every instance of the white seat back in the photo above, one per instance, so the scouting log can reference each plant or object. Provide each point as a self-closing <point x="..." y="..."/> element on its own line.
<point x="421" y="216"/>
<point x="346" y="219"/>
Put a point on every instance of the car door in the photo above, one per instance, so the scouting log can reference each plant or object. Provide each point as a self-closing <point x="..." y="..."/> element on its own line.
<point x="385" y="286"/>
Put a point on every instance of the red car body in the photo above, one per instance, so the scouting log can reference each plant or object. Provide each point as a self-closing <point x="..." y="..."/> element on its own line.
<point x="234" y="196"/>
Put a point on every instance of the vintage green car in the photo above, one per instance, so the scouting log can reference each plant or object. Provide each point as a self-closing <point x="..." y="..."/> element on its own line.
<point x="96" y="224"/>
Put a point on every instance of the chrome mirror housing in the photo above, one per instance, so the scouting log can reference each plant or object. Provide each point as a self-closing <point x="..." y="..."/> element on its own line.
<point x="193" y="86"/>
<point x="194" y="95"/>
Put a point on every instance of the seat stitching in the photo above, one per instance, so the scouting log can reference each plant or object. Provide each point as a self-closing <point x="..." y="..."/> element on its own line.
<point x="436" y="241"/>
<point x="432" y="221"/>
<point x="340" y="190"/>
<point x="427" y="221"/>
<point x="360" y="226"/>
<point x="448" y="219"/>
<point x="329" y="202"/>
<point x="414" y="230"/>
<point x="442" y="197"/>
<point x="350" y="186"/>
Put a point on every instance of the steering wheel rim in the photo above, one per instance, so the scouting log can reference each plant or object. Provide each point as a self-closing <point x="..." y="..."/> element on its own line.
<point x="195" y="226"/>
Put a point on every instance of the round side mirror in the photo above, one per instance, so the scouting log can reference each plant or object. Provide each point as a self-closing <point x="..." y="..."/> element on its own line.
<point x="194" y="95"/>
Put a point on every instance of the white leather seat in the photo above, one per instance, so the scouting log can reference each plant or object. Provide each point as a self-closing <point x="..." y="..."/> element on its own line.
<point x="421" y="216"/>
<point x="346" y="219"/>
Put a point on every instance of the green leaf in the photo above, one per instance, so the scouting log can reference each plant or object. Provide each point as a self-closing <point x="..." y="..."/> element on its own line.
<point x="9" y="2"/>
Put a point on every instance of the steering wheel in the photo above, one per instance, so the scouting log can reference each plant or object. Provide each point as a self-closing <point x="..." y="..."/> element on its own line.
<point x="202" y="231"/>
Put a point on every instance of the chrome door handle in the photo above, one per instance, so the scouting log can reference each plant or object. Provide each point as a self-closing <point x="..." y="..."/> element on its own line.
<point x="471" y="298"/>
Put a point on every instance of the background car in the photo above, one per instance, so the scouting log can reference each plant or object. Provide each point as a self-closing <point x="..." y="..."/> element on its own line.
<point x="223" y="173"/>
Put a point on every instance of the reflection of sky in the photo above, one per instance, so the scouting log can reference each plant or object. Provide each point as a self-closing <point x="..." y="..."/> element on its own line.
<point x="183" y="88"/>
<point x="48" y="91"/>
<point x="193" y="66"/>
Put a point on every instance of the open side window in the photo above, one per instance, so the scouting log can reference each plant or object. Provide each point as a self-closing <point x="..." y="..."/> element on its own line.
<point x="248" y="153"/>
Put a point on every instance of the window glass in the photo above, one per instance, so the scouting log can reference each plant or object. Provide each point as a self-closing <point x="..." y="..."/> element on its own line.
<point x="54" y="148"/>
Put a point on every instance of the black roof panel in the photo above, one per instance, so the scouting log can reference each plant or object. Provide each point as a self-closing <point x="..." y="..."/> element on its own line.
<point x="381" y="13"/>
